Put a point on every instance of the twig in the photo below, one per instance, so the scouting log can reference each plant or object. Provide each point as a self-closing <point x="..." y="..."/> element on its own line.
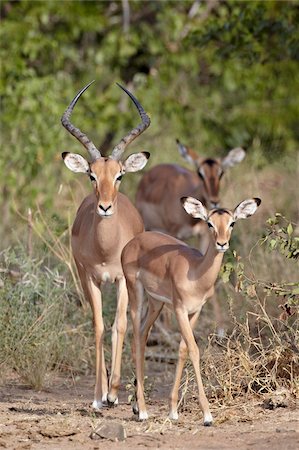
<point x="126" y="16"/>
<point x="29" y="237"/>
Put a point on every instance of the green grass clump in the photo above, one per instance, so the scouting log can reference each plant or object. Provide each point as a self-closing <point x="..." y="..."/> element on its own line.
<point x="42" y="327"/>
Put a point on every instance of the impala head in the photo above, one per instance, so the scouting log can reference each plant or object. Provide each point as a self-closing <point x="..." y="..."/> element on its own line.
<point x="105" y="173"/>
<point x="210" y="170"/>
<point x="221" y="220"/>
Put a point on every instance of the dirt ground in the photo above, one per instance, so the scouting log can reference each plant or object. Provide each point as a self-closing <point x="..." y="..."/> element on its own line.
<point x="61" y="418"/>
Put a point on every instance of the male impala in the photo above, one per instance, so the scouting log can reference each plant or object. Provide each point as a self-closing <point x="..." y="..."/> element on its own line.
<point x="160" y="189"/>
<point x="169" y="271"/>
<point x="106" y="221"/>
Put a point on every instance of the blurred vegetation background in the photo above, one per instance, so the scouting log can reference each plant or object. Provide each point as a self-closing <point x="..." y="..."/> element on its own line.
<point x="215" y="74"/>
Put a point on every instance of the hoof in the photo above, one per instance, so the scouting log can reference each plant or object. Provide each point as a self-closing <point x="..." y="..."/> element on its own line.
<point x="143" y="415"/>
<point x="173" y="415"/>
<point x="97" y="405"/>
<point x="135" y="409"/>
<point x="208" y="420"/>
<point x="208" y="423"/>
<point x="111" y="402"/>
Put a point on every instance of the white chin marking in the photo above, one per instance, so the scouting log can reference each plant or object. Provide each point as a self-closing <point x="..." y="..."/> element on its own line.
<point x="96" y="404"/>
<point x="143" y="415"/>
<point x="104" y="215"/>
<point x="173" y="415"/>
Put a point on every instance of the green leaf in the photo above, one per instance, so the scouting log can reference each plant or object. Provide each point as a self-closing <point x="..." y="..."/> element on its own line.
<point x="290" y="229"/>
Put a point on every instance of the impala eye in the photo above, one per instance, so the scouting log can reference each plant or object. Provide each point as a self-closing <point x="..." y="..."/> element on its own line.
<point x="210" y="225"/>
<point x="92" y="177"/>
<point x="232" y="224"/>
<point x="119" y="178"/>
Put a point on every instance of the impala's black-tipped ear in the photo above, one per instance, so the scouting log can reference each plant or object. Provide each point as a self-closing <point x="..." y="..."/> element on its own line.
<point x="194" y="208"/>
<point x="247" y="208"/>
<point x="258" y="200"/>
<point x="136" y="161"/>
<point x="76" y="163"/>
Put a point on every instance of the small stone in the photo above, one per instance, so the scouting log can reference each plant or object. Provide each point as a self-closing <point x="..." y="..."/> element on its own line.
<point x="277" y="399"/>
<point x="111" y="431"/>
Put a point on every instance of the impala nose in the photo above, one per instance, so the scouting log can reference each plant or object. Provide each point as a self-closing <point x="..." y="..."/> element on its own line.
<point x="104" y="210"/>
<point x="222" y="247"/>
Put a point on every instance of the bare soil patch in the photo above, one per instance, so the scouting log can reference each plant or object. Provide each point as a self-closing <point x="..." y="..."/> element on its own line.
<point x="61" y="418"/>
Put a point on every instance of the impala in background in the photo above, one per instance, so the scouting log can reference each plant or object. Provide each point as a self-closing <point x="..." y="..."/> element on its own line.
<point x="105" y="222"/>
<point x="160" y="189"/>
<point x="158" y="201"/>
<point x="170" y="272"/>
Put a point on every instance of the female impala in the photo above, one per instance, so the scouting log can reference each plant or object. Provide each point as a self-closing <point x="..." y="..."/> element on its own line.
<point x="171" y="272"/>
<point x="160" y="189"/>
<point x="106" y="221"/>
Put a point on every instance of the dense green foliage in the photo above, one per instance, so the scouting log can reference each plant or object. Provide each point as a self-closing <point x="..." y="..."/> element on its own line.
<point x="216" y="74"/>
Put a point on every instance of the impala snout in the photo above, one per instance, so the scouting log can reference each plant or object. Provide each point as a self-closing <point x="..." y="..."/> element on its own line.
<point x="105" y="210"/>
<point x="222" y="247"/>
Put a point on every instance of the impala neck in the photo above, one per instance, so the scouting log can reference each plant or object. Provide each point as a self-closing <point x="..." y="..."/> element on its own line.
<point x="106" y="232"/>
<point x="210" y="265"/>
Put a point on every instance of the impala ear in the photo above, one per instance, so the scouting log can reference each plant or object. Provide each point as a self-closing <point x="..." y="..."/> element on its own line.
<point x="246" y="208"/>
<point x="187" y="153"/>
<point x="194" y="208"/>
<point x="74" y="162"/>
<point x="235" y="156"/>
<point x="136" y="162"/>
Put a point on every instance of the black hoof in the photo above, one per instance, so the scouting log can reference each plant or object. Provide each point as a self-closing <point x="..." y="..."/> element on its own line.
<point x="208" y="424"/>
<point x="135" y="409"/>
<point x="112" y="404"/>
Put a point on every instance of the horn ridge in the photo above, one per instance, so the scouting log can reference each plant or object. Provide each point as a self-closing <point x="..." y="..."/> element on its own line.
<point x="126" y="140"/>
<point x="76" y="132"/>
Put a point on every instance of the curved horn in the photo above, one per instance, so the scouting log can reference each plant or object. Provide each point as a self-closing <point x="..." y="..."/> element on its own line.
<point x="125" y="141"/>
<point x="65" y="120"/>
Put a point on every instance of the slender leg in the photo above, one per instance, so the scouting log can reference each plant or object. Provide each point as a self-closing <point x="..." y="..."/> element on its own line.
<point x="188" y="337"/>
<point x="118" y="333"/>
<point x="100" y="394"/>
<point x="183" y="352"/>
<point x="136" y="295"/>
<point x="153" y="311"/>
<point x="104" y="379"/>
<point x="93" y="294"/>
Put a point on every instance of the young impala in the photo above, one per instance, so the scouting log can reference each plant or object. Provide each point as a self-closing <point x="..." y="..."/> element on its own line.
<point x="160" y="189"/>
<point x="169" y="271"/>
<point x="106" y="221"/>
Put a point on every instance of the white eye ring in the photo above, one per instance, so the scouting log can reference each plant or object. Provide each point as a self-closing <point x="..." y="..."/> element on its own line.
<point x="210" y="225"/>
<point x="92" y="177"/>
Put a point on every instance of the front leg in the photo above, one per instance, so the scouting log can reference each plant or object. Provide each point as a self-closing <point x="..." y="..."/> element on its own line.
<point x="101" y="386"/>
<point x="193" y="350"/>
<point x="118" y="333"/>
<point x="93" y="294"/>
